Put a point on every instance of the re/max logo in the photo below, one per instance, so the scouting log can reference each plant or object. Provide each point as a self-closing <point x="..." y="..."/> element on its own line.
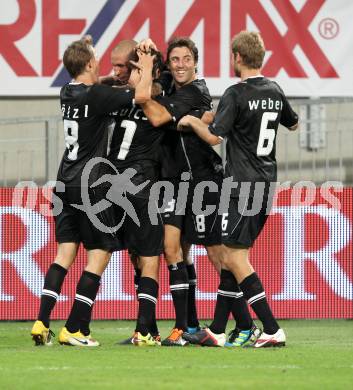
<point x="282" y="55"/>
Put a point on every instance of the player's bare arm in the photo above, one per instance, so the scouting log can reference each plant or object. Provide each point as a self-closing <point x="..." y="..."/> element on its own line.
<point x="208" y="117"/>
<point x="157" y="114"/>
<point x="144" y="86"/>
<point x="200" y="128"/>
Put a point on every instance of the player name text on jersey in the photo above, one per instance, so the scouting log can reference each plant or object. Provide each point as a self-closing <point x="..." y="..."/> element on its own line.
<point x="265" y="104"/>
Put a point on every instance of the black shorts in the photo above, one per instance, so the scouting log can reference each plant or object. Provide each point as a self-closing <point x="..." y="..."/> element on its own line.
<point x="169" y="214"/>
<point x="142" y="231"/>
<point x="74" y="225"/>
<point x="242" y="228"/>
<point x="200" y="229"/>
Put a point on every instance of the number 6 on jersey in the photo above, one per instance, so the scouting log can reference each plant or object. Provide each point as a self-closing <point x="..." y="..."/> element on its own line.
<point x="266" y="136"/>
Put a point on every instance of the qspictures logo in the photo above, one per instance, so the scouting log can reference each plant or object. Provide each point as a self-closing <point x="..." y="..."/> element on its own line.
<point x="108" y="201"/>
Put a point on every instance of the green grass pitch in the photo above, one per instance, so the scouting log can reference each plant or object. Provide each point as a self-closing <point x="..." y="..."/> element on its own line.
<point x="318" y="355"/>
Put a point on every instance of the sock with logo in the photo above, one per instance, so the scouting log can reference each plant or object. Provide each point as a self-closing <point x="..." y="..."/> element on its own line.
<point x="147" y="296"/>
<point x="240" y="311"/>
<point x="192" y="311"/>
<point x="179" y="288"/>
<point x="53" y="282"/>
<point x="225" y="299"/>
<point x="255" y="295"/>
<point x="81" y="311"/>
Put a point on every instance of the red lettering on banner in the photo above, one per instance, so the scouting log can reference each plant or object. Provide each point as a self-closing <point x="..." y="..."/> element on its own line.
<point x="155" y="12"/>
<point x="298" y="34"/>
<point x="53" y="27"/>
<point x="282" y="46"/>
<point x="9" y="34"/>
<point x="303" y="256"/>
<point x="210" y="12"/>
<point x="144" y="10"/>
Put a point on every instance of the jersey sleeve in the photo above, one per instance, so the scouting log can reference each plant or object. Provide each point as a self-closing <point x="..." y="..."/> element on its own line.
<point x="289" y="118"/>
<point x="184" y="100"/>
<point x="105" y="99"/>
<point x="197" y="113"/>
<point x="226" y="114"/>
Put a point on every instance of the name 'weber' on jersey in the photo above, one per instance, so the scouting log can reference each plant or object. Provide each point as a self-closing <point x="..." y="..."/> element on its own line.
<point x="249" y="114"/>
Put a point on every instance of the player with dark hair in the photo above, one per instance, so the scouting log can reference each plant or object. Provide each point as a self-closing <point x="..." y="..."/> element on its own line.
<point x="188" y="161"/>
<point x="85" y="107"/>
<point x="248" y="114"/>
<point x="144" y="148"/>
<point x="136" y="146"/>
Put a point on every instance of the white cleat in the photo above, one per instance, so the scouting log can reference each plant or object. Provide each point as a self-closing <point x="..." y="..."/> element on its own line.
<point x="76" y="339"/>
<point x="270" y="340"/>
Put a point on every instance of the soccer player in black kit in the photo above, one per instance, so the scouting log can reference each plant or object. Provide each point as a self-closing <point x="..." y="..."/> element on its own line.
<point x="136" y="146"/>
<point x="186" y="157"/>
<point x="248" y="115"/>
<point x="189" y="94"/>
<point x="85" y="107"/>
<point x="137" y="149"/>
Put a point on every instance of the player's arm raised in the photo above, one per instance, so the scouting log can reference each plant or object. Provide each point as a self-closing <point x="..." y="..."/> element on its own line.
<point x="200" y="128"/>
<point x="143" y="87"/>
<point x="146" y="45"/>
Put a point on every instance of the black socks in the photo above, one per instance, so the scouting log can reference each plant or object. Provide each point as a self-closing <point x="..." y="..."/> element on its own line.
<point x="81" y="311"/>
<point x="241" y="312"/>
<point x="192" y="312"/>
<point x="147" y="296"/>
<point x="225" y="298"/>
<point x="179" y="288"/>
<point x="255" y="295"/>
<point x="53" y="282"/>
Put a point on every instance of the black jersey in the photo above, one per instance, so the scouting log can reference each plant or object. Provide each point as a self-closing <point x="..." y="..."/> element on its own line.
<point x="185" y="152"/>
<point x="249" y="114"/>
<point x="87" y="125"/>
<point x="136" y="144"/>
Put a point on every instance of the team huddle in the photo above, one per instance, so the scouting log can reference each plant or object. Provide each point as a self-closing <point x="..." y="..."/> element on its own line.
<point x="150" y="126"/>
